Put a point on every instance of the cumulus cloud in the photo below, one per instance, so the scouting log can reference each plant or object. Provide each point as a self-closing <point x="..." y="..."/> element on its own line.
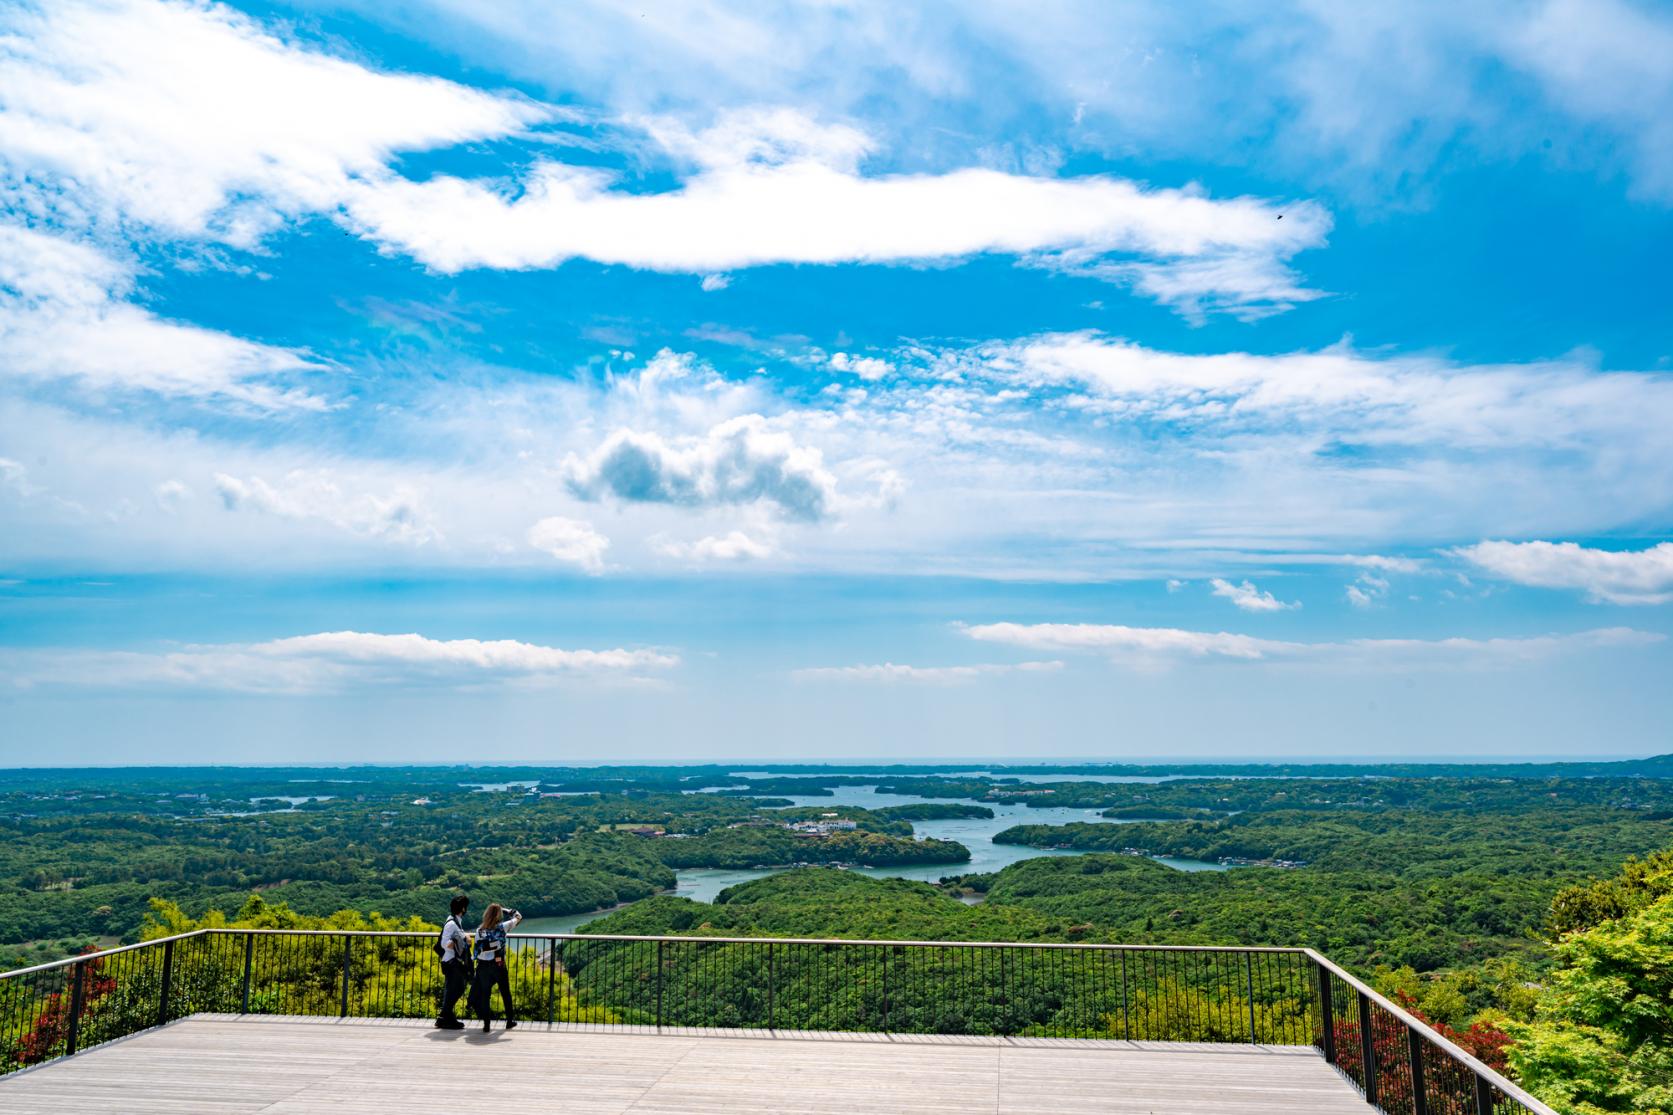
<point x="318" y="495"/>
<point x="712" y="283"/>
<point x="570" y="540"/>
<point x="1157" y="646"/>
<point x="328" y="662"/>
<point x="890" y="673"/>
<point x="869" y="368"/>
<point x="1605" y="576"/>
<point x="740" y="461"/>
<point x="1249" y="598"/>
<point x="64" y="316"/>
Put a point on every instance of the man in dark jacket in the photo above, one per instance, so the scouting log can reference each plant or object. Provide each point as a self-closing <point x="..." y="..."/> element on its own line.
<point x="455" y="962"/>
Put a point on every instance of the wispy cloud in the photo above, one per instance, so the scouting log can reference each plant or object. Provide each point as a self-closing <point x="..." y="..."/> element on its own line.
<point x="1155" y="646"/>
<point x="193" y="120"/>
<point x="65" y="316"/>
<point x="890" y="673"/>
<point x="733" y="546"/>
<point x="1605" y="576"/>
<point x="399" y="516"/>
<point x="328" y="662"/>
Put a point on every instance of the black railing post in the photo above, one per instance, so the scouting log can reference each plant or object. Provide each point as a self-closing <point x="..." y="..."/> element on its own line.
<point x="1126" y="1019"/>
<point x="1414" y="1055"/>
<point x="885" y="983"/>
<point x="1249" y="985"/>
<point x="1483" y="1096"/>
<point x="1327" y="1020"/>
<point x="77" y="992"/>
<point x="772" y="988"/>
<point x="1367" y="1049"/>
<point x="659" y="984"/>
<point x="347" y="960"/>
<point x="551" y="981"/>
<point x="249" y="958"/>
<point x="168" y="981"/>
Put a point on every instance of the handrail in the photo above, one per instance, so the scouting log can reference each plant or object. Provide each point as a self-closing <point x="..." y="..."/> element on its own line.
<point x="84" y="957"/>
<point x="415" y="933"/>
<point x="772" y="940"/>
<point x="1435" y="1037"/>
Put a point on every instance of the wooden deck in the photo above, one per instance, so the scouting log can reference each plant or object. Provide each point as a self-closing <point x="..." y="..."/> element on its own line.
<point x="314" y="1067"/>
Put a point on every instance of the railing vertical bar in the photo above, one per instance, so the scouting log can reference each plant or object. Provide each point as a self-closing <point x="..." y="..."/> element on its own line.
<point x="168" y="979"/>
<point x="1126" y="1019"/>
<point x="1249" y="985"/>
<point x="659" y="977"/>
<point x="348" y="942"/>
<point x="249" y="956"/>
<point x="78" y="987"/>
<point x="1414" y="1056"/>
<point x="1327" y="1021"/>
<point x="1367" y="1049"/>
<point x="551" y="980"/>
<point x="1483" y="1095"/>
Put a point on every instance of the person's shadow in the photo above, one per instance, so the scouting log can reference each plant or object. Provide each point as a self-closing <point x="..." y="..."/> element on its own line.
<point x="472" y="1035"/>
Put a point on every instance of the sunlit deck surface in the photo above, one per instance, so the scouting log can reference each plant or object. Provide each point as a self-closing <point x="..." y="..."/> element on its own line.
<point x="214" y="1063"/>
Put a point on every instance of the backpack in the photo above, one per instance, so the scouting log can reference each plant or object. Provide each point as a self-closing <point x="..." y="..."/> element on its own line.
<point x="436" y="946"/>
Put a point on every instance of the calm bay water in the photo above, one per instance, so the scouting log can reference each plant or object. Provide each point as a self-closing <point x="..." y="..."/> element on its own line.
<point x="702" y="883"/>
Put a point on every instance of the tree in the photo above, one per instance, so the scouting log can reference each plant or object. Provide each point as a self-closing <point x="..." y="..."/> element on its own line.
<point x="1602" y="1038"/>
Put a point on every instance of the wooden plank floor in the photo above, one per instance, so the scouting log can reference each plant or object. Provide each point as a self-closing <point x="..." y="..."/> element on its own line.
<point x="313" y="1067"/>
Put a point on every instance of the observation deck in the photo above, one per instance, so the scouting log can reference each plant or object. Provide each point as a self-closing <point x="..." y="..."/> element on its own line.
<point x="303" y="1021"/>
<point x="284" y="1066"/>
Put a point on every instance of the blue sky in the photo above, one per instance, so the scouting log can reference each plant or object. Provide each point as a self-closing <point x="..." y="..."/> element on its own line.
<point x="771" y="380"/>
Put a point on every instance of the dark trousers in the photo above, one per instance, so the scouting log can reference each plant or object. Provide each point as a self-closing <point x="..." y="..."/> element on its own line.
<point x="491" y="974"/>
<point x="453" y="986"/>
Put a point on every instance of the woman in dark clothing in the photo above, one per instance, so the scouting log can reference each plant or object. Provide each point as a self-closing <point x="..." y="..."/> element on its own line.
<point x="491" y="970"/>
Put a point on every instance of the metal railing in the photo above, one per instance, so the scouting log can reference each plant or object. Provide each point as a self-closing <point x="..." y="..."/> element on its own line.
<point x="1265" y="996"/>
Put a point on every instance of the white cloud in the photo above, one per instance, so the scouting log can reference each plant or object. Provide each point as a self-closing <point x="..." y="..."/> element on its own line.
<point x="1611" y="576"/>
<point x="732" y="546"/>
<point x="328" y="662"/>
<point x="891" y="673"/>
<point x="1400" y="400"/>
<point x="570" y="540"/>
<point x="1156" y="646"/>
<point x="796" y="206"/>
<point x="63" y="317"/>
<point x="1118" y="639"/>
<point x="170" y="494"/>
<point x="740" y="461"/>
<point x="193" y="120"/>
<point x="318" y="494"/>
<point x="712" y="283"/>
<point x="1249" y="598"/>
<point x="1367" y="590"/>
<point x="868" y="368"/>
<point x="1367" y="97"/>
